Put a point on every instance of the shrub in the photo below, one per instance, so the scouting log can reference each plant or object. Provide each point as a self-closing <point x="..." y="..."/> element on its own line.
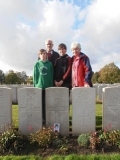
<point x="83" y="140"/>
<point x="94" y="140"/>
<point x="43" y="137"/>
<point x="11" y="140"/>
<point x="110" y="137"/>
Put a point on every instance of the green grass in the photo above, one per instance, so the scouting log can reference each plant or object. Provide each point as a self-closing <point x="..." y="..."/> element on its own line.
<point x="98" y="116"/>
<point x="69" y="157"/>
<point x="15" y="115"/>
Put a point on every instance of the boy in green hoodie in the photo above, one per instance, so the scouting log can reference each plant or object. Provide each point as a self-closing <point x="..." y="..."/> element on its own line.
<point x="43" y="76"/>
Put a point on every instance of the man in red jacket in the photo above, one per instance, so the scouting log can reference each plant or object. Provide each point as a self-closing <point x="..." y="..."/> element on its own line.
<point x="81" y="68"/>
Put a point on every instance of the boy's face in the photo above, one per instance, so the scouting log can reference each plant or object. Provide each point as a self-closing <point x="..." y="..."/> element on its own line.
<point x="62" y="51"/>
<point x="43" y="56"/>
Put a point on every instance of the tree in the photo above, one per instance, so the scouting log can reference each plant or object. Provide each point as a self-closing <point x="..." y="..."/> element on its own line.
<point x="2" y="77"/>
<point x="22" y="75"/>
<point x="109" y="74"/>
<point x="30" y="80"/>
<point x="12" y="78"/>
<point x="95" y="77"/>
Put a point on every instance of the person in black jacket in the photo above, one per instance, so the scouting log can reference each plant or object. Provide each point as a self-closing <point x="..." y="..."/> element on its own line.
<point x="62" y="68"/>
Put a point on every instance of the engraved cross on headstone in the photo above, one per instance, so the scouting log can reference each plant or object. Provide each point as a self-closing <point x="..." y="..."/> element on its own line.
<point x="85" y="117"/>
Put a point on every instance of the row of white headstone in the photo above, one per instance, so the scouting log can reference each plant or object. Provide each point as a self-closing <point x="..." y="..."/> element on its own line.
<point x="98" y="88"/>
<point x="57" y="109"/>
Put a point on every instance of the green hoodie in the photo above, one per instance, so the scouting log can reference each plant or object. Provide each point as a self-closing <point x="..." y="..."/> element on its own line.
<point x="43" y="74"/>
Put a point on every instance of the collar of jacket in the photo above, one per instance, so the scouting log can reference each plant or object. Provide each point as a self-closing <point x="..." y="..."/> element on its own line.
<point x="82" y="55"/>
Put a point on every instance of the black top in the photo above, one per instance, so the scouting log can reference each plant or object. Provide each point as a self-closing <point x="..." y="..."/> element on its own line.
<point x="62" y="70"/>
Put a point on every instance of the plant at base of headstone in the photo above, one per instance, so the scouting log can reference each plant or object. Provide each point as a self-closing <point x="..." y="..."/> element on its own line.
<point x="12" y="140"/>
<point x="63" y="149"/>
<point x="111" y="138"/>
<point x="59" y="141"/>
<point x="83" y="140"/>
<point x="94" y="140"/>
<point x="43" y="137"/>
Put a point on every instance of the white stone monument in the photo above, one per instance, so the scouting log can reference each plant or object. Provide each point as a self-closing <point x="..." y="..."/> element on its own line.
<point x="83" y="110"/>
<point x="100" y="87"/>
<point x="14" y="93"/>
<point x="57" y="108"/>
<point x="5" y="108"/>
<point x="30" y="109"/>
<point x="111" y="108"/>
<point x="18" y="86"/>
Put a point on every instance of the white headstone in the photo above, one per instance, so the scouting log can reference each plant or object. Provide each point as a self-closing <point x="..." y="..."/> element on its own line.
<point x="100" y="91"/>
<point x="30" y="109"/>
<point x="83" y="110"/>
<point x="57" y="108"/>
<point x="22" y="86"/>
<point x="14" y="93"/>
<point x="111" y="108"/>
<point x="5" y="107"/>
<point x="96" y="88"/>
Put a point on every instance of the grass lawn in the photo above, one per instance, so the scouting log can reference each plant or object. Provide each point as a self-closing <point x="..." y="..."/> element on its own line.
<point x="15" y="115"/>
<point x="68" y="157"/>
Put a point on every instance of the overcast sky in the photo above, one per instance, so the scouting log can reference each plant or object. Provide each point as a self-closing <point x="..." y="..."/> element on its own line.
<point x="26" y="24"/>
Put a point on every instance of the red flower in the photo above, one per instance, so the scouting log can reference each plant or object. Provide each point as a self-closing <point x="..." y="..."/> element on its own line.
<point x="30" y="128"/>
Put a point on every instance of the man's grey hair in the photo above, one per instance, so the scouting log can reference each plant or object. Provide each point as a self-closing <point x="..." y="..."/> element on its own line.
<point x="48" y="40"/>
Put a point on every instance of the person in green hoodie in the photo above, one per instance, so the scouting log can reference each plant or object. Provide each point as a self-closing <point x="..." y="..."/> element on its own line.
<point x="43" y="76"/>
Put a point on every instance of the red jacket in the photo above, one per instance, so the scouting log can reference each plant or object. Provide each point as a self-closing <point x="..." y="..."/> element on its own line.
<point x="84" y="71"/>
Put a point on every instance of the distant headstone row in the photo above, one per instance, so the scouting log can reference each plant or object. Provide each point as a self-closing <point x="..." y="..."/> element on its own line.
<point x="57" y="108"/>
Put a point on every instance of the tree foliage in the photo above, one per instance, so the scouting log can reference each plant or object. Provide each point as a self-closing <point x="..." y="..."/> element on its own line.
<point x="2" y="77"/>
<point x="12" y="77"/>
<point x="95" y="77"/>
<point x="22" y="76"/>
<point x="110" y="73"/>
<point x="30" y="80"/>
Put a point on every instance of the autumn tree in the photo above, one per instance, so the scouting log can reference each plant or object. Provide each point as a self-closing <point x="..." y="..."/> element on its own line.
<point x="109" y="74"/>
